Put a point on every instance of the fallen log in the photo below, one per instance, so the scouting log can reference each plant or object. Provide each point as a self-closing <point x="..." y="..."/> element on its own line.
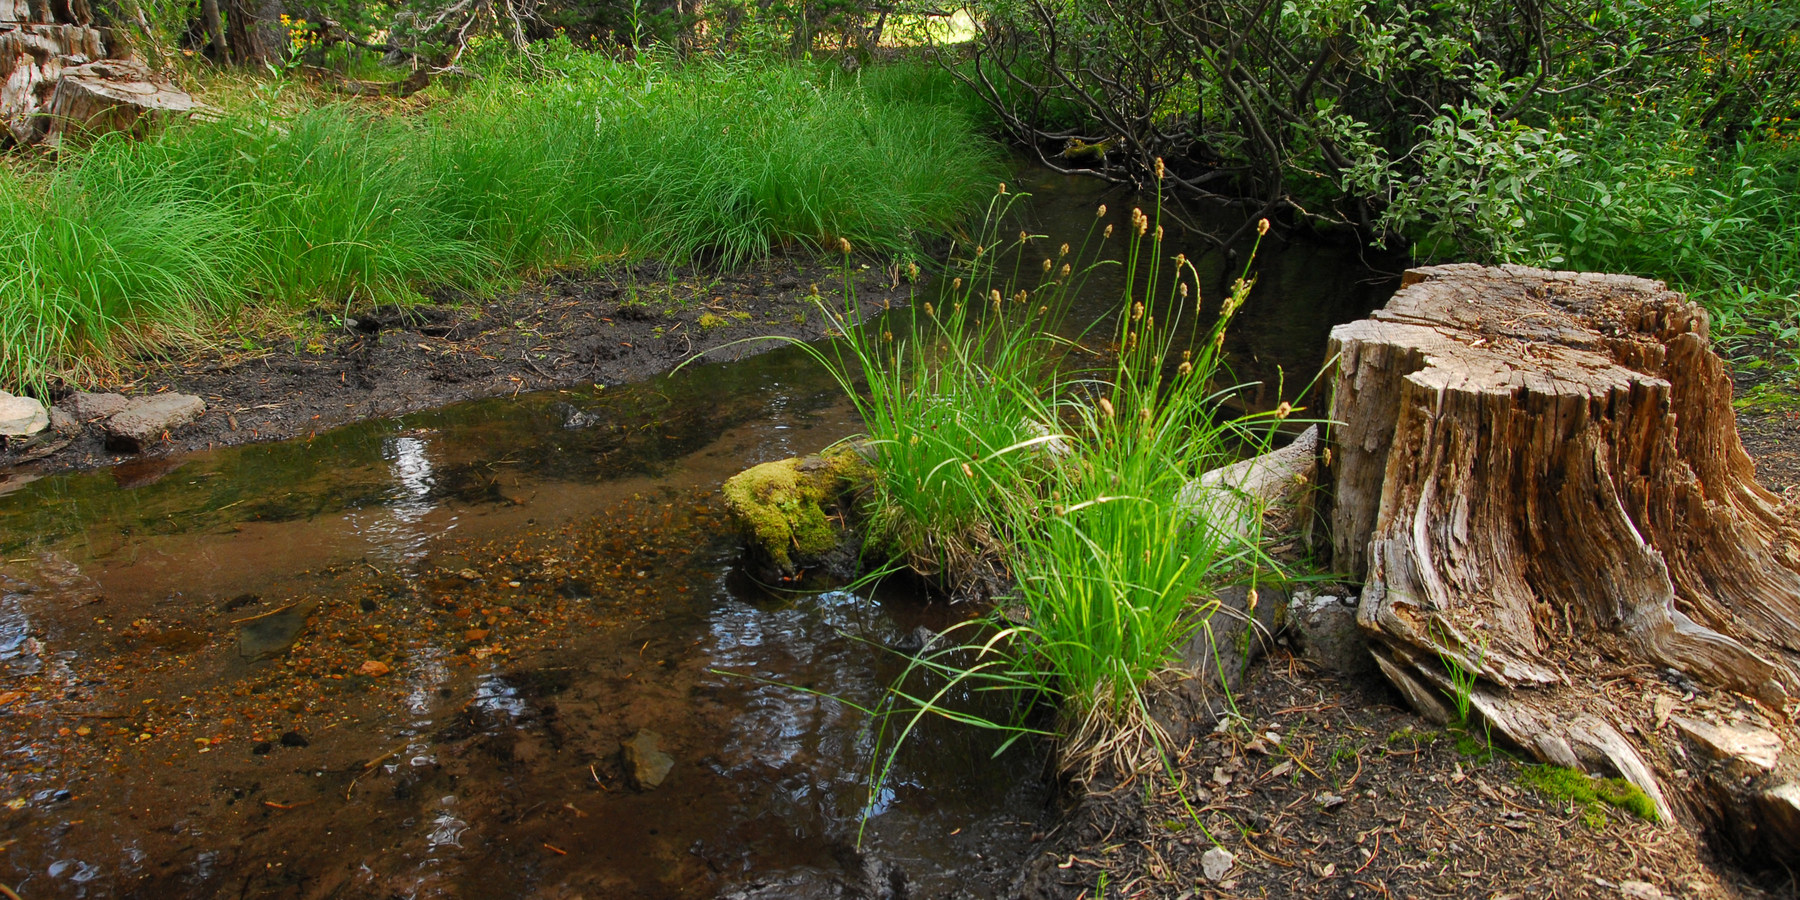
<point x="1537" y="476"/>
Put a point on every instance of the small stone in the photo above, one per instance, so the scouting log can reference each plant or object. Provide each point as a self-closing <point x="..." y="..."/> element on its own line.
<point x="294" y="739"/>
<point x="22" y="417"/>
<point x="374" y="668"/>
<point x="1641" y="890"/>
<point x="476" y="635"/>
<point x="146" y="420"/>
<point x="1216" y="863"/>
<point x="87" y="407"/>
<point x="646" y="766"/>
<point x="262" y="748"/>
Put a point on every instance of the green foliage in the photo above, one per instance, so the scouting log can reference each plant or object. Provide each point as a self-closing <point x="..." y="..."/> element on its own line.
<point x="1589" y="793"/>
<point x="280" y="204"/>
<point x="995" y="445"/>
<point x="1656" y="139"/>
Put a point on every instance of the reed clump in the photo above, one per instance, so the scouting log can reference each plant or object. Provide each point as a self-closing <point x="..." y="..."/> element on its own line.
<point x="1066" y="462"/>
<point x="286" y="201"/>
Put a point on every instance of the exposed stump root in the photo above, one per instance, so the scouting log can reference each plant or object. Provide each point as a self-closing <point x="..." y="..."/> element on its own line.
<point x="793" y="513"/>
<point x="1539" y="478"/>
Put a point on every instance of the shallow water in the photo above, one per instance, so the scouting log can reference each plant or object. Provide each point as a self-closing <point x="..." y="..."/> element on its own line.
<point x="398" y="659"/>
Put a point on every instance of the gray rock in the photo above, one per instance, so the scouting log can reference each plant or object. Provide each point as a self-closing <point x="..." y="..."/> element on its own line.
<point x="62" y="422"/>
<point x="1324" y="627"/>
<point x="147" y="419"/>
<point x="87" y="407"/>
<point x="22" y="416"/>
<point x="272" y="633"/>
<point x="1216" y="863"/>
<point x="646" y="766"/>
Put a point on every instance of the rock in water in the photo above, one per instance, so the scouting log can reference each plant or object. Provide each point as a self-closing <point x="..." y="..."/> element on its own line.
<point x="785" y="509"/>
<point x="22" y="417"/>
<point x="146" y="420"/>
<point x="646" y="766"/>
<point x="1216" y="863"/>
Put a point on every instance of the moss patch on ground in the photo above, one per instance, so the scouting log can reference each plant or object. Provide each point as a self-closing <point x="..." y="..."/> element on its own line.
<point x="1589" y="793"/>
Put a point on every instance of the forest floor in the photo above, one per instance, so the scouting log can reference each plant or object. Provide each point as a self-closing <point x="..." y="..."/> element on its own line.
<point x="605" y="327"/>
<point x="1329" y="787"/>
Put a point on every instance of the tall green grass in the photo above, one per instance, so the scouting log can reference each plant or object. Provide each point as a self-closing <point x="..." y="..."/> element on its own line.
<point x="1070" y="462"/>
<point x="283" y="204"/>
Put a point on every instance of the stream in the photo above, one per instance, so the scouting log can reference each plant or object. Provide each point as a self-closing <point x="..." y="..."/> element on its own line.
<point x="399" y="659"/>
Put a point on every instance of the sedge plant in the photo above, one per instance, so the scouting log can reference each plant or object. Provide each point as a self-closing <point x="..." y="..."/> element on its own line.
<point x="1079" y="478"/>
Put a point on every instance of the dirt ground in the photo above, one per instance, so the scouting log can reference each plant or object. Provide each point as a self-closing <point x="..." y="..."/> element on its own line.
<point x="573" y="329"/>
<point x="1330" y="788"/>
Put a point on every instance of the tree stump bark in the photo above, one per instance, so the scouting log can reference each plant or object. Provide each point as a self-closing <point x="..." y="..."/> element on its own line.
<point x="111" y="95"/>
<point x="56" y="75"/>
<point x="1538" y="477"/>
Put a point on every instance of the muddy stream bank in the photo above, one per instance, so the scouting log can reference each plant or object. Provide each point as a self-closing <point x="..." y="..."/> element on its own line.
<point x="397" y="658"/>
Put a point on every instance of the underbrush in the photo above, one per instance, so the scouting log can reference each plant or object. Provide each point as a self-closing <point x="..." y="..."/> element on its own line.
<point x="1066" y="464"/>
<point x="1653" y="196"/>
<point x="284" y="201"/>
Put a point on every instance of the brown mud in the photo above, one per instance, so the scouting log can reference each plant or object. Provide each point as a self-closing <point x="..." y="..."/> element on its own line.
<point x="574" y="329"/>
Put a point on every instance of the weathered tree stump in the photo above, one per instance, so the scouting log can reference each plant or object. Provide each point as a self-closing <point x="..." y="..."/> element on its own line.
<point x="1539" y="479"/>
<point x="110" y="95"/>
<point x="58" y="76"/>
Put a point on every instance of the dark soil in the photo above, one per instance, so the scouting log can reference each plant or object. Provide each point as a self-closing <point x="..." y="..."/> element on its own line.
<point x="1326" y="788"/>
<point x="573" y="329"/>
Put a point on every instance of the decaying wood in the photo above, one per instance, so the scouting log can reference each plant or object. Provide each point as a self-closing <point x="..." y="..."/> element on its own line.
<point x="110" y="95"/>
<point x="1539" y="479"/>
<point x="56" y="76"/>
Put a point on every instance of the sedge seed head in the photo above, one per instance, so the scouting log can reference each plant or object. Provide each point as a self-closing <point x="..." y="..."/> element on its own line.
<point x="1262" y="227"/>
<point x="1160" y="169"/>
<point x="1159" y="233"/>
<point x="1107" y="233"/>
<point x="1137" y="311"/>
<point x="1186" y="368"/>
<point x="1002" y="187"/>
<point x="1062" y="251"/>
<point x="1284" y="410"/>
<point x="1064" y="272"/>
<point x="1106" y="407"/>
<point x="1047" y="264"/>
<point x="994" y="296"/>
<point x="1101" y="212"/>
<point x="844" y="246"/>
<point x="956" y="284"/>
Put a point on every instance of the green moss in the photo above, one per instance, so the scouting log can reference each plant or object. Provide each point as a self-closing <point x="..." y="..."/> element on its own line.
<point x="1590" y="793"/>
<point x="710" y="321"/>
<point x="781" y="505"/>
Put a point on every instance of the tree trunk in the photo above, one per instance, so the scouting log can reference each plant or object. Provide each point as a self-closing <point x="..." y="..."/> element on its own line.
<point x="215" y="31"/>
<point x="243" y="33"/>
<point x="1538" y="476"/>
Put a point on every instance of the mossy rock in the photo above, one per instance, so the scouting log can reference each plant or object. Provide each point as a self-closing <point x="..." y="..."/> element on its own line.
<point x="790" y="510"/>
